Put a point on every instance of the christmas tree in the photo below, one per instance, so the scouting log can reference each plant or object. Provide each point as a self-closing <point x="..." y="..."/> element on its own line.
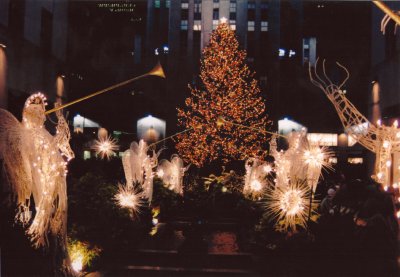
<point x="229" y="95"/>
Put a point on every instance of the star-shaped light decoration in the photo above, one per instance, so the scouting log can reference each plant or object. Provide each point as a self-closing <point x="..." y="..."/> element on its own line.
<point x="105" y="147"/>
<point x="290" y="205"/>
<point x="223" y="20"/>
<point x="128" y="197"/>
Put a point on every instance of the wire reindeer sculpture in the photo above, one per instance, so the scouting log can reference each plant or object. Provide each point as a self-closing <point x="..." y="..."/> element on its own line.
<point x="382" y="140"/>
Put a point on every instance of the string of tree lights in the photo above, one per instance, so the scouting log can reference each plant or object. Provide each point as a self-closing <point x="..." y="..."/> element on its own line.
<point x="228" y="91"/>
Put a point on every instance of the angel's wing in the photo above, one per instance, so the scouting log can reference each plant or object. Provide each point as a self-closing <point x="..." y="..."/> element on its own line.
<point x="14" y="153"/>
<point x="126" y="163"/>
<point x="164" y="171"/>
<point x="178" y="165"/>
<point x="176" y="160"/>
<point x="138" y="155"/>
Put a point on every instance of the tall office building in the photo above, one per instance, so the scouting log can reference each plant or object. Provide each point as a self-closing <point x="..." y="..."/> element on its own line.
<point x="34" y="35"/>
<point x="384" y="95"/>
<point x="178" y="30"/>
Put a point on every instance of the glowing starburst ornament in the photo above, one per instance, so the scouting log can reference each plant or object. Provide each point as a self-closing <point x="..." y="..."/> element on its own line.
<point x="289" y="205"/>
<point x="316" y="158"/>
<point x="105" y="147"/>
<point x="128" y="197"/>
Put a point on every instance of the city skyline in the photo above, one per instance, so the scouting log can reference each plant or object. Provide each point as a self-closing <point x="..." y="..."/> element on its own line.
<point x="129" y="40"/>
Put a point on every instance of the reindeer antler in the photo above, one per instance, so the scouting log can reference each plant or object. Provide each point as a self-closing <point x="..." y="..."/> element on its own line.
<point x="325" y="83"/>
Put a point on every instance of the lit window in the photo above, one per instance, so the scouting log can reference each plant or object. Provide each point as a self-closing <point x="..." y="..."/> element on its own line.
<point x="264" y="26"/>
<point x="232" y="6"/>
<point x="184" y="24"/>
<point x="232" y="23"/>
<point x="86" y="155"/>
<point x="167" y="3"/>
<point x="357" y="160"/>
<point x="250" y="25"/>
<point x="185" y="5"/>
<point x="157" y="4"/>
<point x="281" y="52"/>
<point x="323" y="139"/>
<point x="197" y="25"/>
<point x="161" y="50"/>
<point x="215" y="24"/>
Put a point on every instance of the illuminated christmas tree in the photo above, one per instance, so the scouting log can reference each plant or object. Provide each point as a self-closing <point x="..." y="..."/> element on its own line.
<point x="229" y="95"/>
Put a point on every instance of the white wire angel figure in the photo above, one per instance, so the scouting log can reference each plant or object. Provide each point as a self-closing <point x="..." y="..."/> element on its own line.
<point x="303" y="160"/>
<point x="35" y="165"/>
<point x="138" y="167"/>
<point x="172" y="172"/>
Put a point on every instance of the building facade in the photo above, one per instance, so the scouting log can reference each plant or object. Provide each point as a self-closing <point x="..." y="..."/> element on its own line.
<point x="34" y="39"/>
<point x="177" y="31"/>
<point x="384" y="95"/>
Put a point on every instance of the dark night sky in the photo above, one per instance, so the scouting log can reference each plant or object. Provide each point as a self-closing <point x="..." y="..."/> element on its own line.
<point x="100" y="45"/>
